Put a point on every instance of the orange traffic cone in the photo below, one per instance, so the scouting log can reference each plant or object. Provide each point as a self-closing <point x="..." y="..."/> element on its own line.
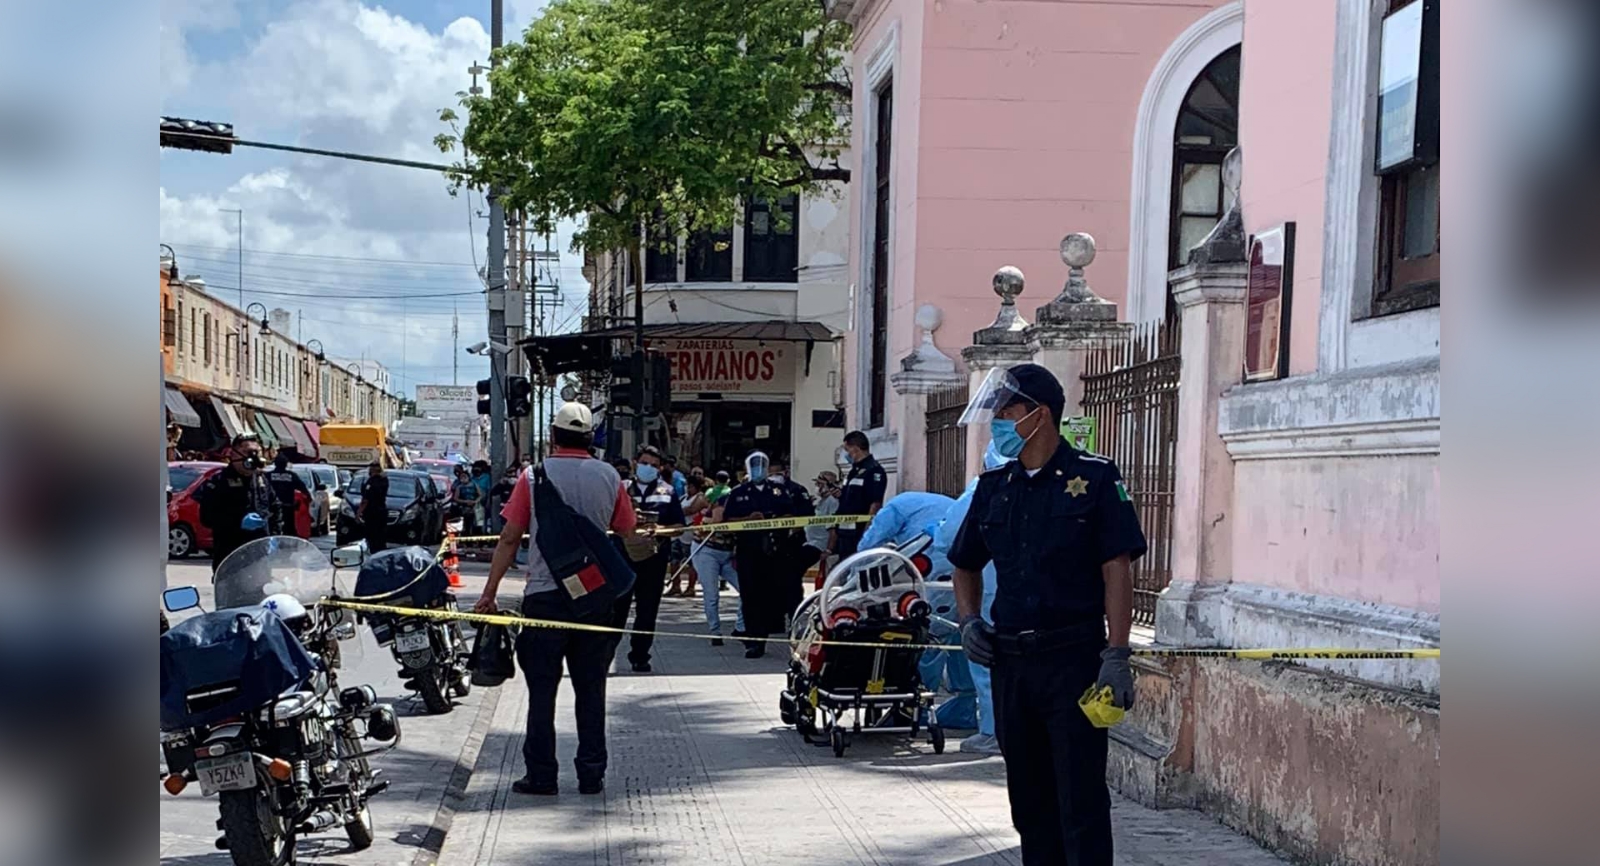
<point x="451" y="561"/>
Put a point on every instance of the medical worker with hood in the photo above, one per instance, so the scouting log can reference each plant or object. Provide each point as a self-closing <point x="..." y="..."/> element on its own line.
<point x="983" y="742"/>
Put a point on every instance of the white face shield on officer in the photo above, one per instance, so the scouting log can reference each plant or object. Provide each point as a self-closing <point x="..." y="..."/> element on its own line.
<point x="756" y="465"/>
<point x="999" y="392"/>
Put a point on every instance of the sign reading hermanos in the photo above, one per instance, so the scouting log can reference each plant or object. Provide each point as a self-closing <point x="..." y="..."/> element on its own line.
<point x="728" y="366"/>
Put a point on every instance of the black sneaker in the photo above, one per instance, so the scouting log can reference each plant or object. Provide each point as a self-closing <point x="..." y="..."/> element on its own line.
<point x="525" y="785"/>
<point x="716" y="641"/>
<point x="738" y="633"/>
<point x="592" y="787"/>
<point x="755" y="652"/>
<point x="641" y="667"/>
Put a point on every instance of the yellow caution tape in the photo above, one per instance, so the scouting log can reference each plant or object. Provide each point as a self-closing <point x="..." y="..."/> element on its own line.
<point x="730" y="526"/>
<point x="506" y="619"/>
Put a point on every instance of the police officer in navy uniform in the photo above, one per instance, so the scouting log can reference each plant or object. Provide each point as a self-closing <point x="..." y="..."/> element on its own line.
<point x="284" y="484"/>
<point x="862" y="493"/>
<point x="1062" y="532"/>
<point x="655" y="502"/>
<point x="793" y="551"/>
<point x="765" y="559"/>
<point x="235" y="502"/>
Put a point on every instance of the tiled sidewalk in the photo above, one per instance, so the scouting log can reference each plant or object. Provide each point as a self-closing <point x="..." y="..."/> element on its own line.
<point x="702" y="772"/>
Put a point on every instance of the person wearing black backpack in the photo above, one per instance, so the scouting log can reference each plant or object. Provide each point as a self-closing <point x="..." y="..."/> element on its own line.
<point x="594" y="493"/>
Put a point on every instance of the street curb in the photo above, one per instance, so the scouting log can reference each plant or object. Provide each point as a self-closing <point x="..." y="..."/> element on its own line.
<point x="455" y="790"/>
<point x="465" y="846"/>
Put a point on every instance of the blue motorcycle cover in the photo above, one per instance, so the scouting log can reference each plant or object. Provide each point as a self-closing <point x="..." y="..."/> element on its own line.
<point x="227" y="663"/>
<point x="406" y="575"/>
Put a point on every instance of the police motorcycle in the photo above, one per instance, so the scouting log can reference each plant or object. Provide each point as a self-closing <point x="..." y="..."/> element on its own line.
<point x="252" y="708"/>
<point x="432" y="653"/>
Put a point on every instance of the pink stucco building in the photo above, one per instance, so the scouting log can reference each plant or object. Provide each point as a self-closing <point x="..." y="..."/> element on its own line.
<point x="1304" y="488"/>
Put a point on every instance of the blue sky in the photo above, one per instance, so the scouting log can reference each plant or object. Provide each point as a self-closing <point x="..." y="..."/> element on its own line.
<point x="373" y="259"/>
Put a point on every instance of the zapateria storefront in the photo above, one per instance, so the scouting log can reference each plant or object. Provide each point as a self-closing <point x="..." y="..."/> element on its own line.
<point x="739" y="387"/>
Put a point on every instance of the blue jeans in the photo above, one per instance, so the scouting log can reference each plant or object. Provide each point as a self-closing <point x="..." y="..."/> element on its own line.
<point x="713" y="566"/>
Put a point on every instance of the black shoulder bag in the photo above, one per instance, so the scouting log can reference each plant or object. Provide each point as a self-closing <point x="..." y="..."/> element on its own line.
<point x="588" y="569"/>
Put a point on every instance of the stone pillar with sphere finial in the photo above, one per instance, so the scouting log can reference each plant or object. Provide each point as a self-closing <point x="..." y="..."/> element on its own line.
<point x="923" y="370"/>
<point x="1004" y="343"/>
<point x="1075" y="323"/>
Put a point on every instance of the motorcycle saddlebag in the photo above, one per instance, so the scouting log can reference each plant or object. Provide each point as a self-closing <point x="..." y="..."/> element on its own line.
<point x="405" y="575"/>
<point x="227" y="663"/>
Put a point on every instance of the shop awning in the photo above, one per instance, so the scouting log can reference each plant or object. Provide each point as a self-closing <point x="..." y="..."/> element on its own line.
<point x="179" y="410"/>
<point x="314" y="430"/>
<point x="230" y="421"/>
<point x="302" y="442"/>
<point x="279" y="430"/>
<point x="258" y="421"/>
<point x="591" y="350"/>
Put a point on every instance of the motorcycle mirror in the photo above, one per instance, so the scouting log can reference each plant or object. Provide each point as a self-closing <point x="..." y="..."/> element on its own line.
<point x="180" y="598"/>
<point x="348" y="556"/>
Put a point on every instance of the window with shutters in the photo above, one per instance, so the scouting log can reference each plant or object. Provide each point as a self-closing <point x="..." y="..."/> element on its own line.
<point x="169" y="327"/>
<point x="883" y="150"/>
<point x="772" y="240"/>
<point x="1407" y="259"/>
<point x="205" y="336"/>
<point x="709" y="256"/>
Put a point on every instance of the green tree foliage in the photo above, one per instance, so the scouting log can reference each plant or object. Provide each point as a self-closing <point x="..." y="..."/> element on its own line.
<point x="624" y="112"/>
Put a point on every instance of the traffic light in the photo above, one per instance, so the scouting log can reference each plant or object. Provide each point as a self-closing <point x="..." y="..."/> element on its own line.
<point x="485" y="388"/>
<point x="627" y="380"/>
<point x="519" y="396"/>
<point x="658" y="384"/>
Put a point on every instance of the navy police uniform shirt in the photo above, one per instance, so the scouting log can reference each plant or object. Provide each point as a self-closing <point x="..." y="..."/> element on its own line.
<point x="864" y="486"/>
<point x="769" y="498"/>
<point x="1048" y="535"/>
<point x="658" y="503"/>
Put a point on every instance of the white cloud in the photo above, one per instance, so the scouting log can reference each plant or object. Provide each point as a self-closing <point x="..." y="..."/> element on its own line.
<point x="178" y="19"/>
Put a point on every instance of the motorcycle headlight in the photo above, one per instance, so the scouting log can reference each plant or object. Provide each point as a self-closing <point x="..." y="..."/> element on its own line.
<point x="347" y="510"/>
<point x="358" y="697"/>
<point x="409" y="514"/>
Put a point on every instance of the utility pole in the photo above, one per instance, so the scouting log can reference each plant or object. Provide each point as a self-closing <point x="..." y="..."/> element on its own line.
<point x="497" y="287"/>
<point x="455" y="345"/>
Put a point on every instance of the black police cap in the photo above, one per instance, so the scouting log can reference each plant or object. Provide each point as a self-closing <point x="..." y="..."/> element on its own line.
<point x="1037" y="385"/>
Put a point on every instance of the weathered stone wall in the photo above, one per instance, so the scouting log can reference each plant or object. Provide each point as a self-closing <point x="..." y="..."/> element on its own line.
<point x="1326" y="769"/>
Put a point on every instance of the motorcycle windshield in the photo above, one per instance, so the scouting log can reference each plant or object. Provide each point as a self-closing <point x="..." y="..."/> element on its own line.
<point x="272" y="565"/>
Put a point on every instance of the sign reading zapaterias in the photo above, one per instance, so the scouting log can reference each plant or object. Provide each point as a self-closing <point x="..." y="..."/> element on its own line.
<point x="728" y="366"/>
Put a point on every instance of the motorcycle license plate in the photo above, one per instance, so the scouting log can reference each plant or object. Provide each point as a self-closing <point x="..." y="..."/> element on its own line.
<point x="410" y="642"/>
<point x="236" y="772"/>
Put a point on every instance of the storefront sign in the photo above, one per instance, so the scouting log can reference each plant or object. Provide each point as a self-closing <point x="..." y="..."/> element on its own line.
<point x="728" y="367"/>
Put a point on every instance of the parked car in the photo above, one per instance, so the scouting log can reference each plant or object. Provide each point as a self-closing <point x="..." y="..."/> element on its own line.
<point x="321" y="511"/>
<point x="328" y="477"/>
<point x="416" y="509"/>
<point x="185" y="534"/>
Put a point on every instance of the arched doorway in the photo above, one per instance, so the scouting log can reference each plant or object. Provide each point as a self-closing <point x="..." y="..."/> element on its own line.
<point x="1206" y="129"/>
<point x="1176" y="88"/>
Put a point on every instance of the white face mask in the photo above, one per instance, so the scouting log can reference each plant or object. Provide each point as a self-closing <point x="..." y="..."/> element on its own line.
<point x="777" y="477"/>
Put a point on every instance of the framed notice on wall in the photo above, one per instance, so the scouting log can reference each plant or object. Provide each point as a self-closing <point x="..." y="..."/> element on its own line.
<point x="1267" y="304"/>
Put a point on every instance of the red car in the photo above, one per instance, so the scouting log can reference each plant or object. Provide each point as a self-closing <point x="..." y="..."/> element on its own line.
<point x="185" y="534"/>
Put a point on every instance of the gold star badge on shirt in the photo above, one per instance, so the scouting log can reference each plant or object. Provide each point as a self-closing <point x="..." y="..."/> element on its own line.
<point x="1077" y="486"/>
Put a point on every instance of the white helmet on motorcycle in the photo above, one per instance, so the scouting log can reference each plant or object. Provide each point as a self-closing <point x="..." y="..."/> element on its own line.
<point x="286" y="606"/>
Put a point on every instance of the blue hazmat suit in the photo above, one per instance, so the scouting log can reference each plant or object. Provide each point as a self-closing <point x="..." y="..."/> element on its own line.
<point x="900" y="520"/>
<point x="941" y="543"/>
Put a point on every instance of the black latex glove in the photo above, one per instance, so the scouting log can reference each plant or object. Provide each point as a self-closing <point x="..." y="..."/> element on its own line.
<point x="1116" y="673"/>
<point x="977" y="639"/>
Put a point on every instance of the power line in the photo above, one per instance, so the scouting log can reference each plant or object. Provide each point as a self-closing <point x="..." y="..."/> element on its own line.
<point x="316" y="295"/>
<point x="323" y="256"/>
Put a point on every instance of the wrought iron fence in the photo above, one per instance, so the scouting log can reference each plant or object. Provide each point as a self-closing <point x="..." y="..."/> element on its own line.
<point x="947" y="443"/>
<point x="1132" y="390"/>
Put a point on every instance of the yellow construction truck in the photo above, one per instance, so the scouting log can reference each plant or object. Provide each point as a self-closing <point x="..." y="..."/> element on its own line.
<point x="353" y="446"/>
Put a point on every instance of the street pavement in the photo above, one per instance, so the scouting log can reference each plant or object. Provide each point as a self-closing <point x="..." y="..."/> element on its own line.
<point x="701" y="772"/>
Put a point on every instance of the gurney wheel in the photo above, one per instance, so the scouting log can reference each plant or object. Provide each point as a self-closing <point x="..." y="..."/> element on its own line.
<point x="936" y="734"/>
<point x="839" y="745"/>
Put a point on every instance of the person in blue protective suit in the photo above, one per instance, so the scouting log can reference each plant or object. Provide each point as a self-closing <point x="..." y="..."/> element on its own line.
<point x="905" y="517"/>
<point x="984" y="741"/>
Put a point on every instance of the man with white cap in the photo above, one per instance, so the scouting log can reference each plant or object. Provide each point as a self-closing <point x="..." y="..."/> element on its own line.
<point x="593" y="490"/>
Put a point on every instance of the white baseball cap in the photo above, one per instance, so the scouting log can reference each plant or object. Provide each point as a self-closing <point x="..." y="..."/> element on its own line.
<point x="575" y="417"/>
